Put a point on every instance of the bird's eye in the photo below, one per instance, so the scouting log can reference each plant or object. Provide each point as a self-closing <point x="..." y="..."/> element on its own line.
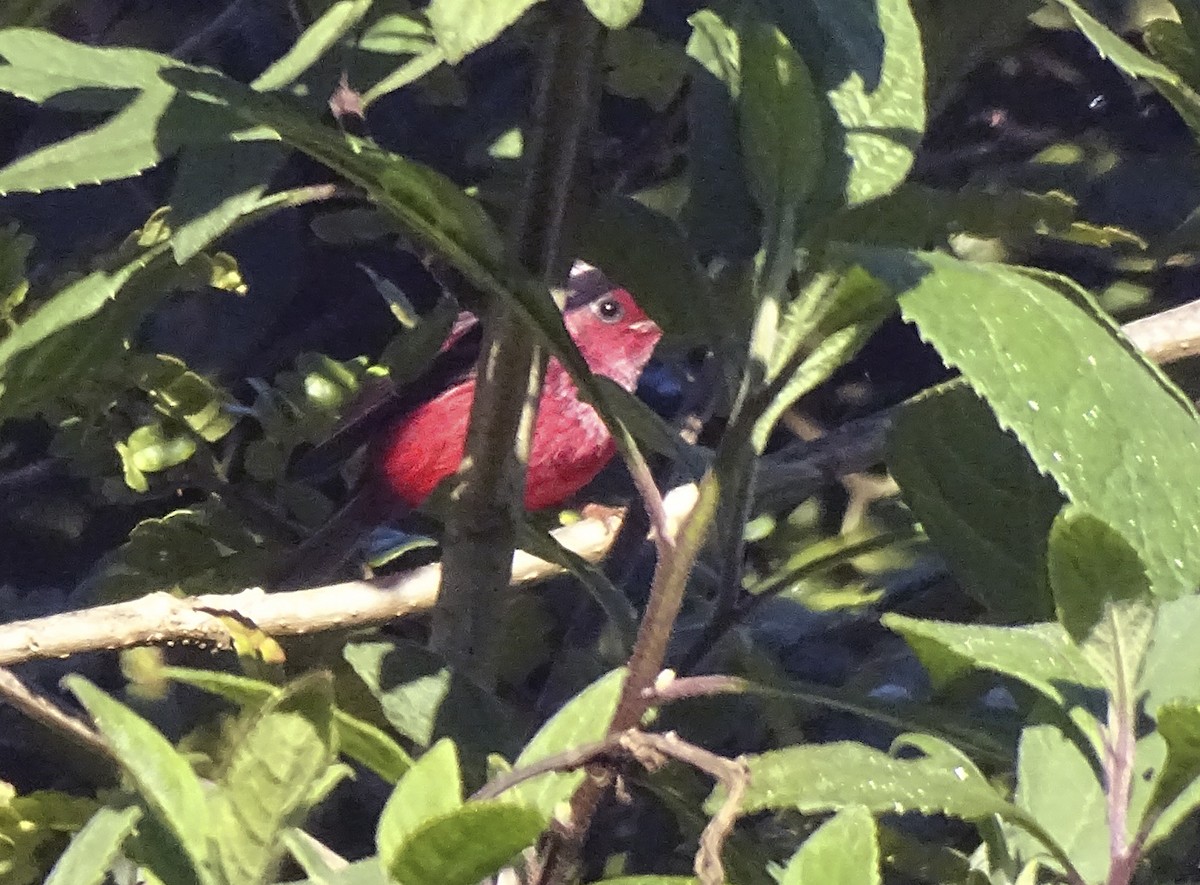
<point x="609" y="310"/>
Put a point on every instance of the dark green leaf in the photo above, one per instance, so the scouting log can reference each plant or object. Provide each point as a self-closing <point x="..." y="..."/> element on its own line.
<point x="1067" y="405"/>
<point x="424" y="700"/>
<point x="978" y="497"/>
<point x="780" y="121"/>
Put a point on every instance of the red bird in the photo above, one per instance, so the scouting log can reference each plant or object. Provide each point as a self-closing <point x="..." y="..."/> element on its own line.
<point x="570" y="443"/>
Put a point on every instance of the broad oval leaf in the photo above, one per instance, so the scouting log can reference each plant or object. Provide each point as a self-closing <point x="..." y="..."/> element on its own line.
<point x="843" y="851"/>
<point x="1119" y="439"/>
<point x="583" y="720"/>
<point x="462" y="26"/>
<point x="431" y="788"/>
<point x="464" y="846"/>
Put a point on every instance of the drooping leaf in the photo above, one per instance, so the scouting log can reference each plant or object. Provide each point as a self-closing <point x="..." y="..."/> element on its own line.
<point x="843" y="851"/>
<point x="271" y="777"/>
<point x="1040" y="655"/>
<point x="978" y="497"/>
<point x="93" y="849"/>
<point x="829" y="777"/>
<point x="431" y="788"/>
<point x="466" y="845"/>
<point x="1096" y="416"/>
<point x="161" y="775"/>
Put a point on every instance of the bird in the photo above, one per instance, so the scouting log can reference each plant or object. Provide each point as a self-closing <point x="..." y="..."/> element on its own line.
<point x="410" y="455"/>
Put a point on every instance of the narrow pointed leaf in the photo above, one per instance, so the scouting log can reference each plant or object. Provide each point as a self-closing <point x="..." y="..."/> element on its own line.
<point x="335" y="22"/>
<point x="162" y="776"/>
<point x="93" y="849"/>
<point x="357" y="738"/>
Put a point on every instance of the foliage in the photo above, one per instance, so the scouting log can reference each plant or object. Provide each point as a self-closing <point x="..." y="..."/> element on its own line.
<point x="1053" y="479"/>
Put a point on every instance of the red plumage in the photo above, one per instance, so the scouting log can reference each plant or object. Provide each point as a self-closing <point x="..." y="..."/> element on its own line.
<point x="570" y="443"/>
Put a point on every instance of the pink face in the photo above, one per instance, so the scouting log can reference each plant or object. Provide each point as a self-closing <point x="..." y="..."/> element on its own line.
<point x="614" y="335"/>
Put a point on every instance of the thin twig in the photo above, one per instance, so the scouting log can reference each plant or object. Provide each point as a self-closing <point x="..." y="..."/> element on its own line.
<point x="651" y="751"/>
<point x="15" y="692"/>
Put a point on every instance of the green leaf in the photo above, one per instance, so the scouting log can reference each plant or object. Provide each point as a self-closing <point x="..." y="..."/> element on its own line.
<point x="614" y="14"/>
<point x="182" y="395"/>
<point x="583" y="720"/>
<point x="215" y="184"/>
<point x="462" y="26"/>
<point x="1179" y="724"/>
<point x="34" y="829"/>
<point x="270" y="778"/>
<point x="1067" y="405"/>
<point x="152" y="448"/>
<point x="637" y="64"/>
<point x="846" y="318"/>
<point x="161" y="775"/>
<point x="979" y="497"/>
<point x="615" y="604"/>
<point x="1040" y="655"/>
<point x="867" y="56"/>
<point x="431" y="788"/>
<point x="1091" y="569"/>
<point x="780" y="121"/>
<point x="358" y="739"/>
<point x="650" y="880"/>
<point x="827" y="777"/>
<point x="466" y="845"/>
<point x="1057" y="786"/>
<point x="1134" y="63"/>
<point x="644" y="252"/>
<point x="424" y="699"/>
<point x="1172" y="669"/>
<point x="843" y="851"/>
<point x="152" y="125"/>
<point x="90" y="854"/>
<point x="337" y="21"/>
